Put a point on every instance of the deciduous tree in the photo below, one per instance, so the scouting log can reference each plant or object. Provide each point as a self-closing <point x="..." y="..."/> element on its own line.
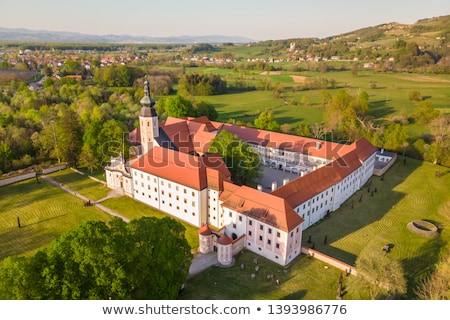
<point x="147" y="258"/>
<point x="382" y="273"/>
<point x="243" y="162"/>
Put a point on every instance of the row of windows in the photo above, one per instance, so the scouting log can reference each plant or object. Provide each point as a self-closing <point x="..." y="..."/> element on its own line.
<point x="170" y="204"/>
<point x="169" y="185"/>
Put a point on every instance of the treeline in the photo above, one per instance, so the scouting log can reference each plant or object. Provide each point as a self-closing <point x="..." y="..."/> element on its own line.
<point x="199" y="84"/>
<point x="347" y="117"/>
<point x="83" y="123"/>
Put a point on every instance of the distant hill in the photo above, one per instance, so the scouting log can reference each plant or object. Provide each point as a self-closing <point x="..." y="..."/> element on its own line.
<point x="26" y="35"/>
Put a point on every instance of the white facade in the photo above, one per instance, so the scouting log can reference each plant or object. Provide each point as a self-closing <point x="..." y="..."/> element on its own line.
<point x="178" y="200"/>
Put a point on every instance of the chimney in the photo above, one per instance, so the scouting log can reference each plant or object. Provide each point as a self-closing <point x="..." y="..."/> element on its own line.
<point x="285" y="181"/>
<point x="259" y="187"/>
<point x="274" y="186"/>
<point x="318" y="145"/>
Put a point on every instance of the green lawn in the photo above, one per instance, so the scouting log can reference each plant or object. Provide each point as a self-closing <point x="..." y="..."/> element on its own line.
<point x="132" y="209"/>
<point x="81" y="184"/>
<point x="406" y="193"/>
<point x="45" y="212"/>
<point x="388" y="96"/>
<point x="305" y="278"/>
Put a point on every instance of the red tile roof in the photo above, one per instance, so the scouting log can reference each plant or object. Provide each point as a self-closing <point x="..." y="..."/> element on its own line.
<point x="180" y="167"/>
<point x="304" y="188"/>
<point x="204" y="231"/>
<point x="261" y="206"/>
<point x="224" y="240"/>
<point x="314" y="147"/>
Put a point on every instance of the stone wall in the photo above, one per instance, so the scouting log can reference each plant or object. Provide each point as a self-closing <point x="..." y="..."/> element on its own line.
<point x="53" y="169"/>
<point x="330" y="260"/>
<point x="21" y="177"/>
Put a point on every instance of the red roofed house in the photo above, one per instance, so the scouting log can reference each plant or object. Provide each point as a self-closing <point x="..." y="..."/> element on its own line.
<point x="174" y="173"/>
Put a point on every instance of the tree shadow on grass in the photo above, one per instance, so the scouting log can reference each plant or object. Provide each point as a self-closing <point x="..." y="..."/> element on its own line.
<point x="362" y="209"/>
<point x="298" y="295"/>
<point x="421" y="265"/>
<point x="380" y="109"/>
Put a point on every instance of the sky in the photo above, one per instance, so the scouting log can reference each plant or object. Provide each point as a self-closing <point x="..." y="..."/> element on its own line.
<point x="254" y="19"/>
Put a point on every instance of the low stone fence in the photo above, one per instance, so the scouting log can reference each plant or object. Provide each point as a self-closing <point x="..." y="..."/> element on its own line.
<point x="330" y="260"/>
<point x="54" y="169"/>
<point x="30" y="175"/>
<point x="18" y="178"/>
<point x="238" y="245"/>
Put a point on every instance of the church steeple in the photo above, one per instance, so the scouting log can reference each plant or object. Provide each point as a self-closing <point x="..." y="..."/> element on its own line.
<point x="148" y="119"/>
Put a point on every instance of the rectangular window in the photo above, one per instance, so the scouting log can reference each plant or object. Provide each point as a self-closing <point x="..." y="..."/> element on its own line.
<point x="269" y="242"/>
<point x="277" y="245"/>
<point x="249" y="233"/>
<point x="260" y="238"/>
<point x="270" y="231"/>
<point x="240" y="218"/>
<point x="261" y="227"/>
<point x="250" y="222"/>
<point x="278" y="234"/>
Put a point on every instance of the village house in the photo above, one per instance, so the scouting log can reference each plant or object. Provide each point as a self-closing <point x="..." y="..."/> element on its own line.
<point x="174" y="172"/>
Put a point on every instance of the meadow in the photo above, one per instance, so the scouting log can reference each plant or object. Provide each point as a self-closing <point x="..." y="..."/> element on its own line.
<point x="388" y="96"/>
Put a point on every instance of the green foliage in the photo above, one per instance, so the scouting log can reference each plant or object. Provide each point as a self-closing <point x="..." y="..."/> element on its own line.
<point x="71" y="67"/>
<point x="382" y="273"/>
<point x="265" y="121"/>
<point x="203" y="108"/>
<point x="147" y="258"/>
<point x="414" y="96"/>
<point x="198" y="84"/>
<point x="395" y="137"/>
<point x="424" y="112"/>
<point x="117" y="76"/>
<point x="243" y="162"/>
<point x="70" y="136"/>
<point x="178" y="107"/>
<point x="111" y="140"/>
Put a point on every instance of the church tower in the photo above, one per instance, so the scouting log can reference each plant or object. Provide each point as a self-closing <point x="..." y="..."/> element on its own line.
<point x="148" y="120"/>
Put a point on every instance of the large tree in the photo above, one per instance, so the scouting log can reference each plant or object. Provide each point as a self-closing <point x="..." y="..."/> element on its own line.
<point x="148" y="258"/>
<point x="265" y="121"/>
<point x="70" y="136"/>
<point x="381" y="273"/>
<point x="243" y="162"/>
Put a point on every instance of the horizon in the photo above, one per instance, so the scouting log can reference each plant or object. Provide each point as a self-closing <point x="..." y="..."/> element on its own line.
<point x="259" y="21"/>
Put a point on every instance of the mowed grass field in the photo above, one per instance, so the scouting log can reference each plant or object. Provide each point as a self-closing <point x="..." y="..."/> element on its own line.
<point x="388" y="96"/>
<point x="406" y="192"/>
<point x="45" y="212"/>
